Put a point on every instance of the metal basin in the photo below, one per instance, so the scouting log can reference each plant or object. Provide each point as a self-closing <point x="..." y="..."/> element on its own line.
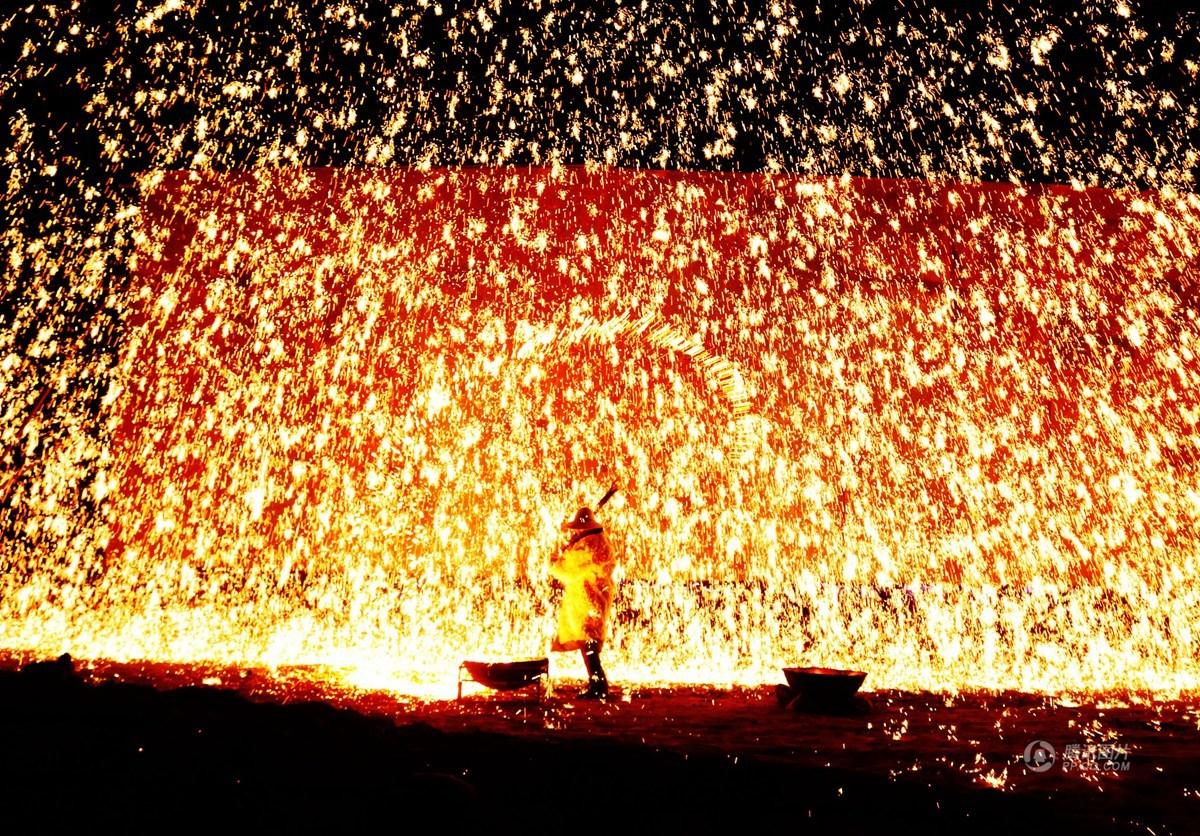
<point x="824" y="685"/>
<point x="507" y="676"/>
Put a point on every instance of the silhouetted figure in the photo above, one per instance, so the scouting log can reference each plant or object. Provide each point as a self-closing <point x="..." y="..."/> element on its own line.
<point x="585" y="568"/>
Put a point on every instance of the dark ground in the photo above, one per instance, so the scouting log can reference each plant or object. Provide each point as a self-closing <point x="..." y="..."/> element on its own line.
<point x="81" y="748"/>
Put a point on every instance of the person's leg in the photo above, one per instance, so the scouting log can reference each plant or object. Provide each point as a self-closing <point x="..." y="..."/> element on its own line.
<point x="597" y="681"/>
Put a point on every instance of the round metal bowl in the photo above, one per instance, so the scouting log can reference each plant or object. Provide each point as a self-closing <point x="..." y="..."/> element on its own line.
<point x="825" y="685"/>
<point x="507" y="676"/>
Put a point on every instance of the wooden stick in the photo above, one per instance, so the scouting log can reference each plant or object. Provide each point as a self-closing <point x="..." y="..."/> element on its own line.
<point x="611" y="492"/>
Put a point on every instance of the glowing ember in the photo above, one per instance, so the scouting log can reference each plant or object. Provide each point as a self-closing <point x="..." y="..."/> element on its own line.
<point x="944" y="433"/>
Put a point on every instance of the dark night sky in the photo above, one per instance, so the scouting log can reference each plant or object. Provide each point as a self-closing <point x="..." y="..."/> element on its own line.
<point x="876" y="89"/>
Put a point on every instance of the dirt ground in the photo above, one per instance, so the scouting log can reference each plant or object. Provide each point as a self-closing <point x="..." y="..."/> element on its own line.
<point x="133" y="743"/>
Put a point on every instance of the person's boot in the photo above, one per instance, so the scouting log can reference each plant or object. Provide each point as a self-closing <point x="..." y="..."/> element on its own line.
<point x="597" y="682"/>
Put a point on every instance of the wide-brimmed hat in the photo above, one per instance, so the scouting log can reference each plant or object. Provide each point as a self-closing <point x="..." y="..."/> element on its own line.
<point x="583" y="520"/>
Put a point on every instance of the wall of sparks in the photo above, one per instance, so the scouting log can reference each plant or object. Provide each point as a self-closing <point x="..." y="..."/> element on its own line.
<point x="284" y="415"/>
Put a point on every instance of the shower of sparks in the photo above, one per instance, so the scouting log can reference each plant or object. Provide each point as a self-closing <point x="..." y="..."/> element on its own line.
<point x="284" y="383"/>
